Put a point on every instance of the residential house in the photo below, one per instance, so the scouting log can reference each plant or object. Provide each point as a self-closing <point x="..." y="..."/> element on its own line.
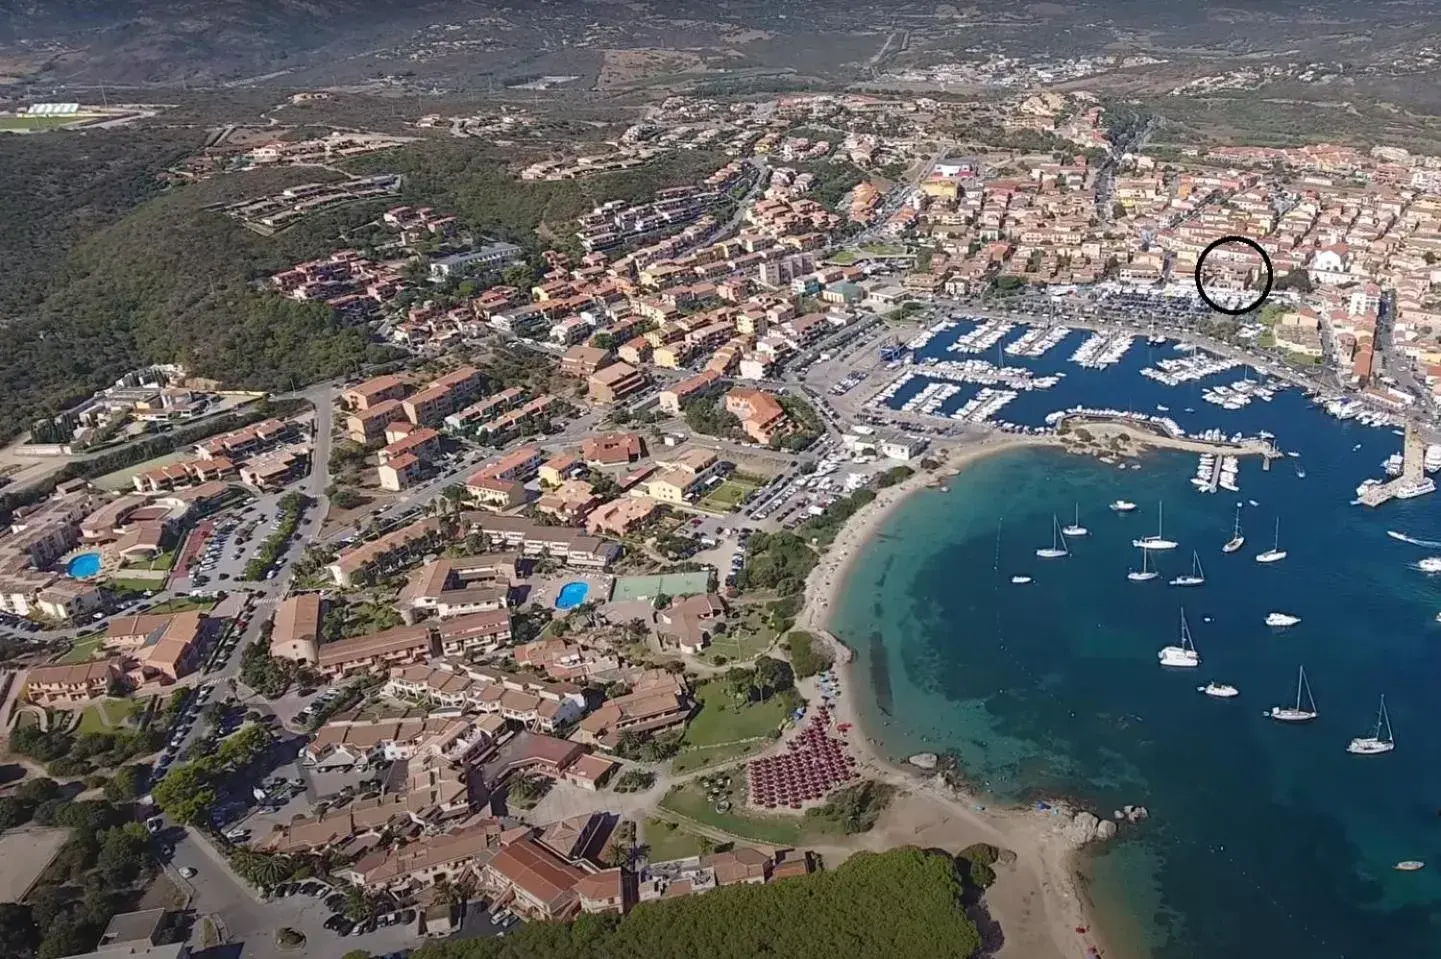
<point x="400" y="646"/>
<point x="296" y="630"/>
<point x="615" y="382"/>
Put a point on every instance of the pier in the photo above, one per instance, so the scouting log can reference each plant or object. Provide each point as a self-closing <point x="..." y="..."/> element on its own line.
<point x="1412" y="472"/>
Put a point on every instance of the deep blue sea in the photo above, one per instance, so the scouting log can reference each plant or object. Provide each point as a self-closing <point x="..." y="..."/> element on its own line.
<point x="1266" y="840"/>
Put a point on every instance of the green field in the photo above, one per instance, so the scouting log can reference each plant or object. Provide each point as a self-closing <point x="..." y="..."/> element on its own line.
<point x="710" y="757"/>
<point x="666" y="840"/>
<point x="83" y="650"/>
<point x="726" y="497"/>
<point x="629" y="588"/>
<point x="721" y="720"/>
<point x="37" y="123"/>
<point x="162" y="561"/>
<point x="118" y="711"/>
<point x="183" y="604"/>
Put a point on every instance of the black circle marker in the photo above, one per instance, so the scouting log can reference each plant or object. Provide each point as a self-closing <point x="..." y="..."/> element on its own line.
<point x="1266" y="260"/>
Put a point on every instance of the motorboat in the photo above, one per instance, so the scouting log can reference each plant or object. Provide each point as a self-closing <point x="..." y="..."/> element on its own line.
<point x="1296" y="714"/>
<point x="1122" y="506"/>
<point x="1183" y="656"/>
<point x="1237" y="540"/>
<point x="1020" y="580"/>
<point x="1075" y="529"/>
<point x="1058" y="548"/>
<point x="1158" y="541"/>
<point x="1414" y="488"/>
<point x="1145" y="573"/>
<point x="1275" y="554"/>
<point x="1376" y="743"/>
<point x="1281" y="619"/>
<point x="1219" y="690"/>
<point x="1409" y="865"/>
<point x="1195" y="577"/>
<point x="1431" y="564"/>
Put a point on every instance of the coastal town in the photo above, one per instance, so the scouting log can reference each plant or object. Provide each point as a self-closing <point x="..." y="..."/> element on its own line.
<point x="531" y="620"/>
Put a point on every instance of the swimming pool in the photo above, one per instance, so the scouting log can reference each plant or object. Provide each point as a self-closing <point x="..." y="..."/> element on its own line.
<point x="572" y="595"/>
<point x="83" y="566"/>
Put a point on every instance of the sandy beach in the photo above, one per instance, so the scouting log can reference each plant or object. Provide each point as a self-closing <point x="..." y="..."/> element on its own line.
<point x="1037" y="900"/>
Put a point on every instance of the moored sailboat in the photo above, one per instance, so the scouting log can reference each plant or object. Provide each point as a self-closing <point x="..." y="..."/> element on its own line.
<point x="1157" y="541"/>
<point x="1376" y="743"/>
<point x="1075" y="529"/>
<point x="1296" y="714"/>
<point x="1183" y="656"/>
<point x="1145" y="572"/>
<point x="1237" y="540"/>
<point x="1195" y="577"/>
<point x="1275" y="553"/>
<point x="1058" y="546"/>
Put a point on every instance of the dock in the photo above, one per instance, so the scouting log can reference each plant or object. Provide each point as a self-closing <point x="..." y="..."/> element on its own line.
<point x="1412" y="471"/>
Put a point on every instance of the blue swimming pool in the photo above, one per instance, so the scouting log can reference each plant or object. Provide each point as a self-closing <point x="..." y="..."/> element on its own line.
<point x="83" y="566"/>
<point x="572" y="595"/>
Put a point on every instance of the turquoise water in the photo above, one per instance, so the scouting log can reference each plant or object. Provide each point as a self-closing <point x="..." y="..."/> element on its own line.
<point x="83" y="566"/>
<point x="1266" y="840"/>
<point x="571" y="595"/>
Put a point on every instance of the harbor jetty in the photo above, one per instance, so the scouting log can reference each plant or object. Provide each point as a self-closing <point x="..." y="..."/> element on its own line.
<point x="1412" y="481"/>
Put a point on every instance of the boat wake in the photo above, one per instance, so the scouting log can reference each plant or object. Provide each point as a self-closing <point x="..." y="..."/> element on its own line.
<point x="1428" y="543"/>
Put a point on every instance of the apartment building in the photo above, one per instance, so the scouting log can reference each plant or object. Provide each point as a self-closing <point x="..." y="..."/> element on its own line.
<point x="474" y="634"/>
<point x="368" y="425"/>
<point x="534" y="703"/>
<point x="615" y="382"/>
<point x="520" y="465"/>
<point x="761" y="415"/>
<point x="67" y="685"/>
<point x="295" y="631"/>
<point x="612" y="449"/>
<point x="532" y="539"/>
<point x="531" y="879"/>
<point x="362" y="396"/>
<point x="657" y="701"/>
<point x="400" y="472"/>
<point x="359" y="563"/>
<point x="584" y="361"/>
<point x="376" y="652"/>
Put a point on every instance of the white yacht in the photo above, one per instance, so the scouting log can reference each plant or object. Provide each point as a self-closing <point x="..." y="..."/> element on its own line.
<point x="1158" y="541"/>
<point x="1296" y="714"/>
<point x="1122" y="506"/>
<point x="1409" y="865"/>
<point x="1020" y="580"/>
<point x="1075" y="529"/>
<point x="1281" y="619"/>
<point x="1183" y="656"/>
<point x="1058" y="548"/>
<point x="1275" y="554"/>
<point x="1195" y="577"/>
<point x="1375" y="743"/>
<point x="1237" y="540"/>
<point x="1145" y="572"/>
<point x="1219" y="690"/>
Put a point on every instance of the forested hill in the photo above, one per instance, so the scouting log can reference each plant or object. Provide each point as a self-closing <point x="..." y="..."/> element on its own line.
<point x="171" y="282"/>
<point x="903" y="904"/>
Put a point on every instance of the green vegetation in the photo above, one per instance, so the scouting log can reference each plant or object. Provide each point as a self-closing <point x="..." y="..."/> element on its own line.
<point x="82" y="753"/>
<point x="855" y="809"/>
<point x="834" y="179"/>
<point x="291" y="505"/>
<point x="808" y="655"/>
<point x="708" y="415"/>
<point x="903" y="904"/>
<point x="182" y="604"/>
<point x="707" y="757"/>
<point x="118" y="711"/>
<point x="821" y="530"/>
<point x="779" y="561"/>
<point x="633" y="780"/>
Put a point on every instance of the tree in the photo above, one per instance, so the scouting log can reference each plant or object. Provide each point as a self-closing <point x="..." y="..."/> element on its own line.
<point x="19" y="935"/>
<point x="358" y="954"/>
<point x="262" y="869"/>
<point x="773" y="676"/>
<point x="14" y="812"/>
<point x="186" y="793"/>
<point x="123" y="855"/>
<point x="67" y="938"/>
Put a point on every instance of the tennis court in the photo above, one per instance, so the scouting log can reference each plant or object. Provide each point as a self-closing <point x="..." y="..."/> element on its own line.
<point x="629" y="588"/>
